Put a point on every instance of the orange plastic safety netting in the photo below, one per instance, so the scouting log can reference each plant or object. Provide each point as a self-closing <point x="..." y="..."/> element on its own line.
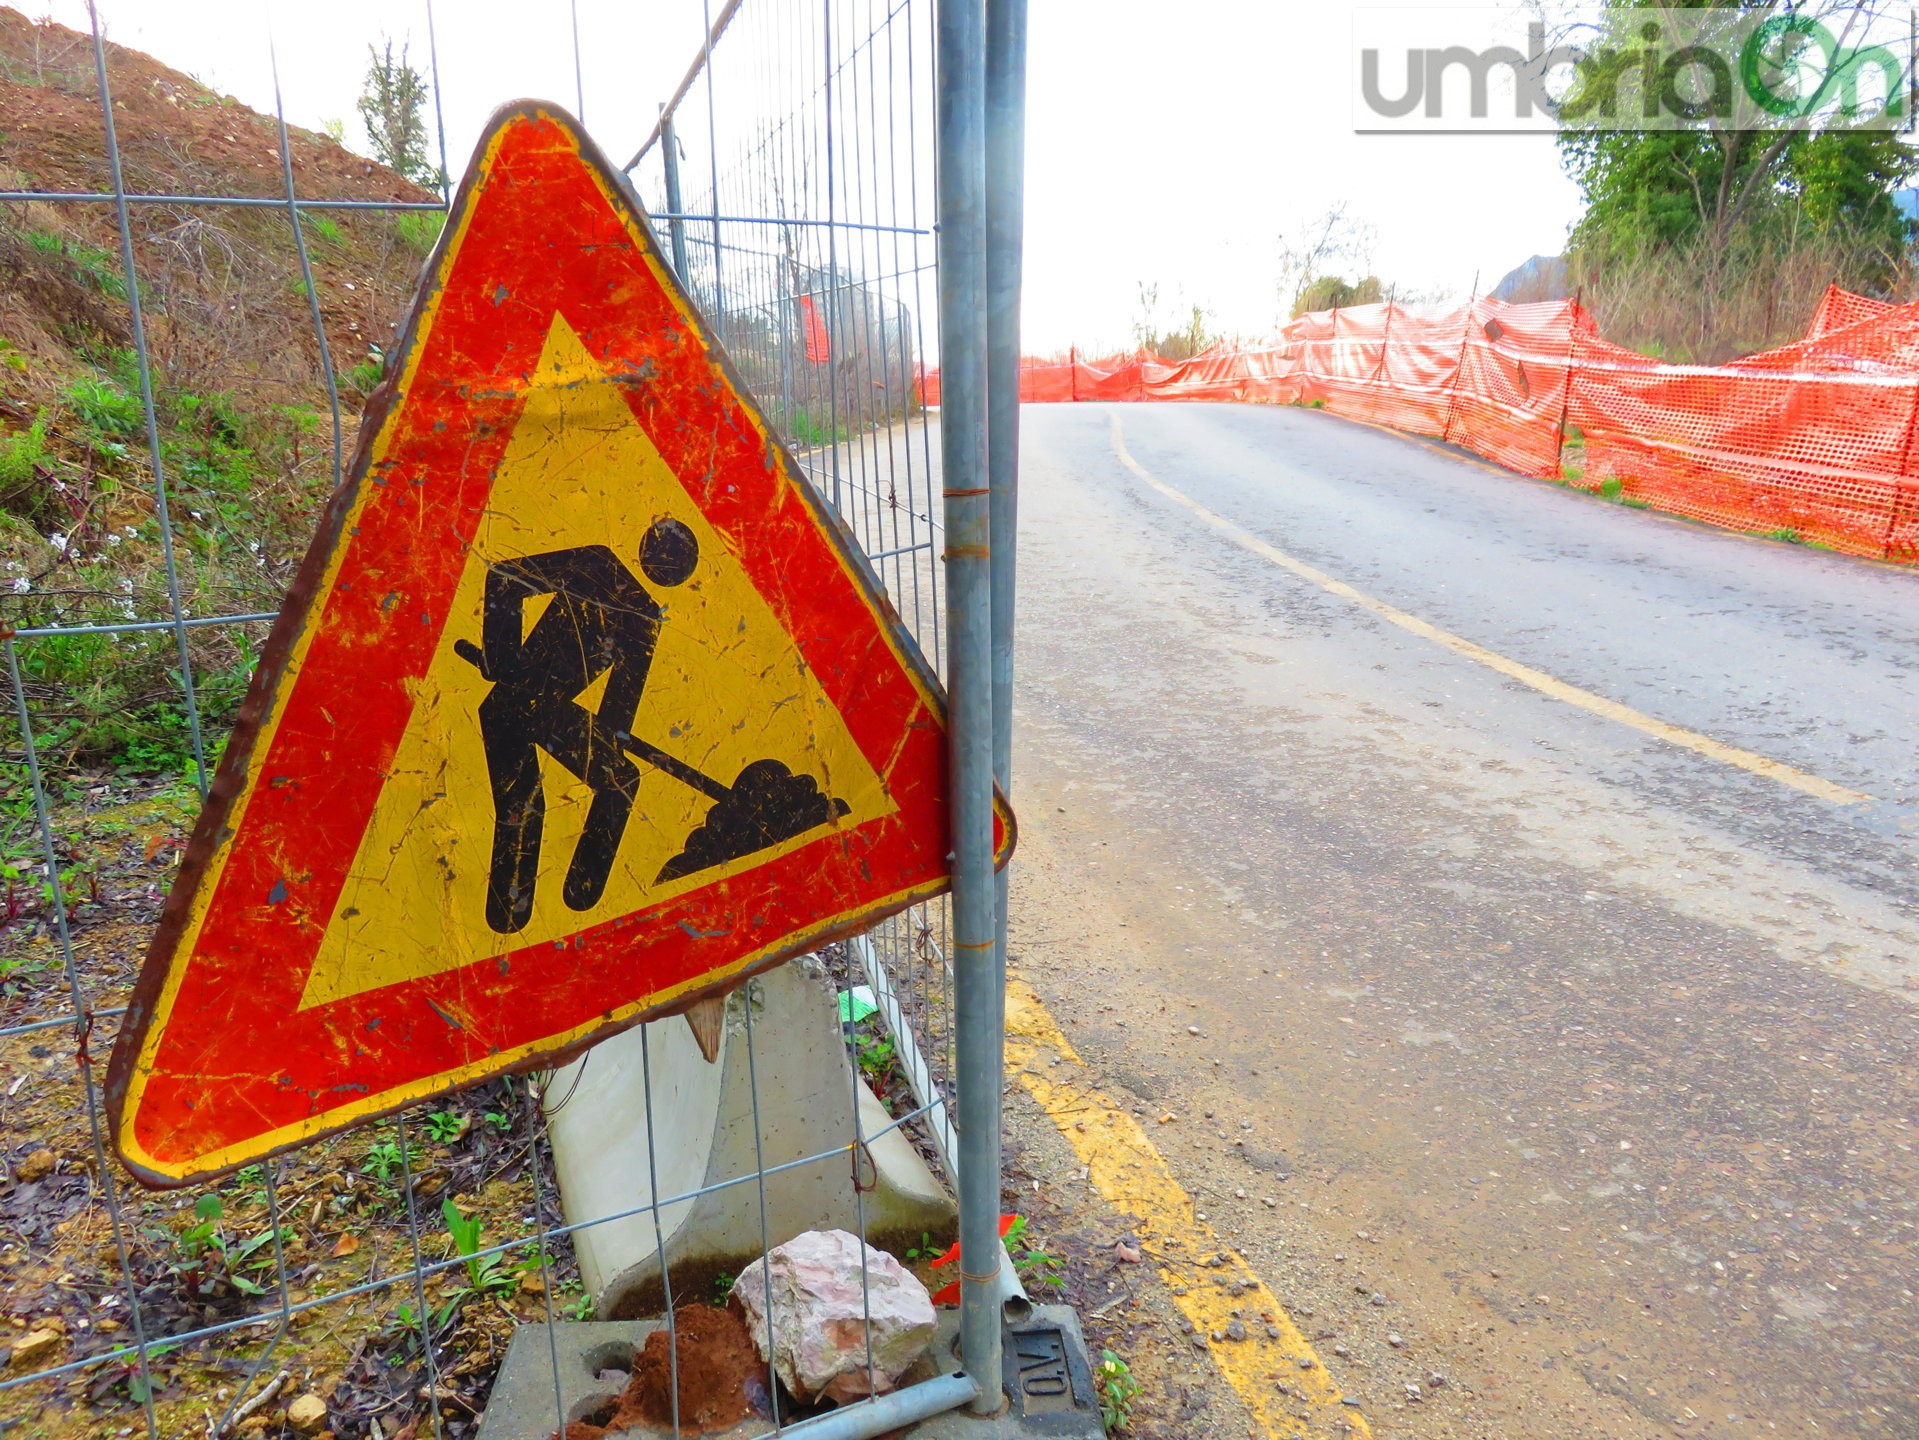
<point x="1814" y="440"/>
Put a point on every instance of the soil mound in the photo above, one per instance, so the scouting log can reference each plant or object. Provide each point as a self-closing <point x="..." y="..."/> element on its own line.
<point x="717" y="1367"/>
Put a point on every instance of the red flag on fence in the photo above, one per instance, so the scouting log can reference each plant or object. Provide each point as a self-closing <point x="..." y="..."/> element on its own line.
<point x="819" y="349"/>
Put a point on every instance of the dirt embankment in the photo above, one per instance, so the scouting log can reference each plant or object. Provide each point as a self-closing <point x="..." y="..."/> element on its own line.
<point x="245" y="427"/>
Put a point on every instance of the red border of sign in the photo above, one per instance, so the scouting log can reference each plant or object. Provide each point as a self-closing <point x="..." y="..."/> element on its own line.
<point x="215" y="1065"/>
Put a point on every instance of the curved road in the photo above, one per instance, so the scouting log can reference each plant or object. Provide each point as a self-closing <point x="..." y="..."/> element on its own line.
<point x="1596" y="1055"/>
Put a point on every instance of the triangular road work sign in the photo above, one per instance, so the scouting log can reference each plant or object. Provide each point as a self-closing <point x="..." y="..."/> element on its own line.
<point x="582" y="708"/>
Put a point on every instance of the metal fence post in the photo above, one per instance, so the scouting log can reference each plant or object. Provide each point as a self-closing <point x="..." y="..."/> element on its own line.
<point x="1005" y="225"/>
<point x="675" y="221"/>
<point x="963" y="449"/>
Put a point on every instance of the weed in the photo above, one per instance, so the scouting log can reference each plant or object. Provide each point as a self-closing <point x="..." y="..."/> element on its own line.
<point x="107" y="408"/>
<point x="488" y="1274"/>
<point x="1113" y="1379"/>
<point x="384" y="1160"/>
<point x="875" y="1053"/>
<point x="1786" y="533"/>
<point x="214" y="1259"/>
<point x="723" y="1289"/>
<point x="251" y="1181"/>
<point x="406" y="1318"/>
<point x="446" y="1127"/>
<point x="1035" y="1267"/>
<point x="420" y="229"/>
<point x="498" y="1121"/>
<point x="1611" y="488"/>
<point x="922" y="1251"/>
<point x="21" y="458"/>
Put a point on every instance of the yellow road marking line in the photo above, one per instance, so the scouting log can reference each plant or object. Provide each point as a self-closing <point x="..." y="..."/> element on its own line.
<point x="1539" y="680"/>
<point x="1130" y="1173"/>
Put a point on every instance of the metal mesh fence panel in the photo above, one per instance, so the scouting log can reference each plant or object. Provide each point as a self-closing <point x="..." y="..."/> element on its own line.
<point x="794" y="177"/>
<point x="206" y="293"/>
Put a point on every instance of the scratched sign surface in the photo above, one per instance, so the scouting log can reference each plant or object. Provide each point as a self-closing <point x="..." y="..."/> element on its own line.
<point x="582" y="708"/>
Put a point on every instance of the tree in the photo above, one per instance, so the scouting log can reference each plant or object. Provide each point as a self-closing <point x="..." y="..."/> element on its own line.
<point x="1334" y="292"/>
<point x="1181" y="339"/>
<point x="1310" y="253"/>
<point x="393" y="105"/>
<point x="1717" y="210"/>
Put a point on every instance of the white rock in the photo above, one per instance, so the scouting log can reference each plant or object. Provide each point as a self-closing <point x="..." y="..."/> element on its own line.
<point x="819" y="1330"/>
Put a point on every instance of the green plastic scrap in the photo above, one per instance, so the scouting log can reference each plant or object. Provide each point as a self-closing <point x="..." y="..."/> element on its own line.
<point x="856" y="1004"/>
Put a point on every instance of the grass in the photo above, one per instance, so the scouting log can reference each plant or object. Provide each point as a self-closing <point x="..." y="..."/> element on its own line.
<point x="80" y="549"/>
<point x="420" y="229"/>
<point x="812" y="431"/>
<point x="324" y="229"/>
<point x="363" y="379"/>
<point x="93" y="267"/>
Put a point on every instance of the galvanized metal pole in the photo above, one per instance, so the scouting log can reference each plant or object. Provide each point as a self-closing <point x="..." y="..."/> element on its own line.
<point x="675" y="226"/>
<point x="980" y="1041"/>
<point x="1005" y="229"/>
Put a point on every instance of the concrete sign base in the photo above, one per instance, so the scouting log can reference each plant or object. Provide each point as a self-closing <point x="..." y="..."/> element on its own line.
<point x="1049" y="1383"/>
<point x="609" y="1163"/>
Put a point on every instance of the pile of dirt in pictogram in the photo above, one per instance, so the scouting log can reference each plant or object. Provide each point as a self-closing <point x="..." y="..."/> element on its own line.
<point x="718" y="1371"/>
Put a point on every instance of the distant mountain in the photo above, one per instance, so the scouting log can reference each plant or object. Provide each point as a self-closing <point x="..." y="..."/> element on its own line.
<point x="1541" y="278"/>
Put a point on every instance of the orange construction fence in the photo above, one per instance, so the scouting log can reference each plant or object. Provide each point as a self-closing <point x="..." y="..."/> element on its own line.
<point x="1814" y="439"/>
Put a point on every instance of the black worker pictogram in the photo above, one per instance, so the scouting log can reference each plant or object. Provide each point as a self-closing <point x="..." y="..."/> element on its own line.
<point x="601" y="622"/>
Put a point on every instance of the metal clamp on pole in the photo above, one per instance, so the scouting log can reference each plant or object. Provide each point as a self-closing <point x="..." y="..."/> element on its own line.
<point x="675" y="224"/>
<point x="969" y="630"/>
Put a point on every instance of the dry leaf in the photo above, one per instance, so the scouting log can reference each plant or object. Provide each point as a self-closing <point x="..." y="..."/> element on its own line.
<point x="345" y="1245"/>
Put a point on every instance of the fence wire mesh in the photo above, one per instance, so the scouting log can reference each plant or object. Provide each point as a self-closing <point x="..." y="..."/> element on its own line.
<point x="193" y="304"/>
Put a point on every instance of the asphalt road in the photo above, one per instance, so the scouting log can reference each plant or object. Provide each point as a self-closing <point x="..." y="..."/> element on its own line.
<point x="1597" y="1057"/>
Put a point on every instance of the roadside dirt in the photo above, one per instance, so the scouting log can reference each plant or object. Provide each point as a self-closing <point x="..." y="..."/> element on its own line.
<point x="1122" y="1306"/>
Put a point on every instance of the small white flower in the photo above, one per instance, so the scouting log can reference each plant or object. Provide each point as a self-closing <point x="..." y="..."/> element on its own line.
<point x="58" y="542"/>
<point x="196" y="514"/>
<point x="22" y="585"/>
<point x="113" y="539"/>
<point x="126" y="587"/>
<point x="132" y="532"/>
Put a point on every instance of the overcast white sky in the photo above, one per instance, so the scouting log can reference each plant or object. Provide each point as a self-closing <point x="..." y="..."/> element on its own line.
<point x="1167" y="143"/>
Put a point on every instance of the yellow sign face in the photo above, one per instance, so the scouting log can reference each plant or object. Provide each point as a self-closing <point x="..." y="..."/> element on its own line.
<point x="726" y="687"/>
